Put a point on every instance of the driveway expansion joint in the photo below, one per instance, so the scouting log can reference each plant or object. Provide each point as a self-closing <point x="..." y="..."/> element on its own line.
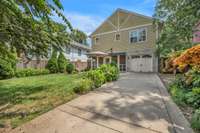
<point x="64" y="111"/>
<point x="110" y="117"/>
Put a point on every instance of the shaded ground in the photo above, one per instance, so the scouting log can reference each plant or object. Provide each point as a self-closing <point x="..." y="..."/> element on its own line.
<point x="136" y="103"/>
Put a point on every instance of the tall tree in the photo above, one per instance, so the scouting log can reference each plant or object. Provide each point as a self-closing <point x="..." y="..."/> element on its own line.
<point x="79" y="36"/>
<point x="178" y="18"/>
<point x="26" y="26"/>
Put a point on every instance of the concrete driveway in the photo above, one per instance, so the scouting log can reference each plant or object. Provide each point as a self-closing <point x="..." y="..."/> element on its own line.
<point x="136" y="103"/>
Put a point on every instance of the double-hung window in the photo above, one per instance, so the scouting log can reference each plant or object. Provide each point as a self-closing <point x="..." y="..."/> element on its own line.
<point x="68" y="50"/>
<point x="138" y="35"/>
<point x="79" y="52"/>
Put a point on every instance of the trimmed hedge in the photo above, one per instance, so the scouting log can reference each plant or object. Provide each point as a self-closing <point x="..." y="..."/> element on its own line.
<point x="6" y="70"/>
<point x="62" y="62"/>
<point x="52" y="64"/>
<point x="70" y="68"/>
<point x="31" y="72"/>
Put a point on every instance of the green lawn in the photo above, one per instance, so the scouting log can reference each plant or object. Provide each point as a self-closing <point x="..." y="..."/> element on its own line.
<point x="22" y="99"/>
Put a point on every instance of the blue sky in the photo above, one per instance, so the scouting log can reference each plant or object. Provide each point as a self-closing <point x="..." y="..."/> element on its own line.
<point x="87" y="15"/>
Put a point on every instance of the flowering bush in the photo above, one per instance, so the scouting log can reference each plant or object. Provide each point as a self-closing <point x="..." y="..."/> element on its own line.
<point x="189" y="58"/>
<point x="168" y="63"/>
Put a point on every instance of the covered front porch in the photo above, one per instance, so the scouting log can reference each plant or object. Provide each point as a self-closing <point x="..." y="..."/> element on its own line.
<point x="98" y="58"/>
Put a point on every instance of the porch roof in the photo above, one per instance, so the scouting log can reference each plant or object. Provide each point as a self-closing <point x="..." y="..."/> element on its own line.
<point x="97" y="53"/>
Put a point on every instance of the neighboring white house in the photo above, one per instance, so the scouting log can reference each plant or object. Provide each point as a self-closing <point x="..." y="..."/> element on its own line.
<point x="74" y="52"/>
<point x="77" y="54"/>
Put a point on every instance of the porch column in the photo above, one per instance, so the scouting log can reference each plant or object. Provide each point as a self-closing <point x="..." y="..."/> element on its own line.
<point x="97" y="61"/>
<point x="118" y="61"/>
<point x="110" y="59"/>
<point x="104" y="62"/>
<point x="91" y="65"/>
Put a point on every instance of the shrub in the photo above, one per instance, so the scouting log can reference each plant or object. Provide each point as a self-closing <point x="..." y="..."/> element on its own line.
<point x="193" y="99"/>
<point x="70" y="68"/>
<point x="189" y="58"/>
<point x="196" y="120"/>
<point x="110" y="72"/>
<point x="113" y="63"/>
<point x="6" y="70"/>
<point x="97" y="76"/>
<point x="30" y="72"/>
<point x="52" y="65"/>
<point x="192" y="78"/>
<point x="84" y="86"/>
<point x="178" y="94"/>
<point x="62" y="62"/>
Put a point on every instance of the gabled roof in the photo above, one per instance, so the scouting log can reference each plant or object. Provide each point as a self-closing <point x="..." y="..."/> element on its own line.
<point x="76" y="44"/>
<point x="125" y="11"/>
<point x="134" y="13"/>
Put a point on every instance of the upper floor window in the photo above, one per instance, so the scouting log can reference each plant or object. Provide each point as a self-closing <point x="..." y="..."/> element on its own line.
<point x="138" y="35"/>
<point x="117" y="37"/>
<point x="96" y="40"/>
<point x="79" y="52"/>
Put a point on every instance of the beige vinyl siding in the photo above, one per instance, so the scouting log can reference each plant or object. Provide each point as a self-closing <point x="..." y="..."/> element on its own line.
<point x="135" y="21"/>
<point x="107" y="41"/>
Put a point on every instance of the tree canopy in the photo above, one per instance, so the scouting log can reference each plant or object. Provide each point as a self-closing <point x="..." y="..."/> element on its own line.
<point x="26" y="26"/>
<point x="177" y="19"/>
<point x="79" y="36"/>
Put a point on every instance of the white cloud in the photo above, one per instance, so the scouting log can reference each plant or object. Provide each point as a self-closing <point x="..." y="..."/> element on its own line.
<point x="86" y="23"/>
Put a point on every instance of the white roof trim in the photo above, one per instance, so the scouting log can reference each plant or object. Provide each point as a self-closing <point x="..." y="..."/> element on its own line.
<point x="76" y="44"/>
<point x="103" y="22"/>
<point x="123" y="10"/>
<point x="137" y="14"/>
<point x="124" y="29"/>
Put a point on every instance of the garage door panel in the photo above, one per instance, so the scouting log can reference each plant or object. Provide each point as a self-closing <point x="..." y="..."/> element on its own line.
<point x="141" y="64"/>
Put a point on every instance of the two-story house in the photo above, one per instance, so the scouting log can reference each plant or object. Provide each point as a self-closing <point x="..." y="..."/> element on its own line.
<point x="127" y="38"/>
<point x="77" y="54"/>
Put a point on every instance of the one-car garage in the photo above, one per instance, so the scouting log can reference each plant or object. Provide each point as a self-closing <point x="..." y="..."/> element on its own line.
<point x="140" y="63"/>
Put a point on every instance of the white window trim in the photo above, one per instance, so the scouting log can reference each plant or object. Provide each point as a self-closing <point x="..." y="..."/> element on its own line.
<point x="137" y="30"/>
<point x="95" y="41"/>
<point x="79" y="54"/>
<point x="119" y="37"/>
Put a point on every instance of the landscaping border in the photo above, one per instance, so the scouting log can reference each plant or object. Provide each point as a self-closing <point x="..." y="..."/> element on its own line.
<point x="180" y="123"/>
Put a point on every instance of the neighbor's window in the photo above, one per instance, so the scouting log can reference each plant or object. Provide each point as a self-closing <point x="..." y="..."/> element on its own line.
<point x="79" y="52"/>
<point x="138" y="35"/>
<point x="96" y="40"/>
<point x="68" y="50"/>
<point x="117" y="37"/>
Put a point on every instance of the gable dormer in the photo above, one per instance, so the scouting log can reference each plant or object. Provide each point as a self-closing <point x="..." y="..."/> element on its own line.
<point x="121" y="19"/>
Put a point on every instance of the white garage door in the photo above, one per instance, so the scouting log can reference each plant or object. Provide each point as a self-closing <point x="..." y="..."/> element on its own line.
<point x="140" y="63"/>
